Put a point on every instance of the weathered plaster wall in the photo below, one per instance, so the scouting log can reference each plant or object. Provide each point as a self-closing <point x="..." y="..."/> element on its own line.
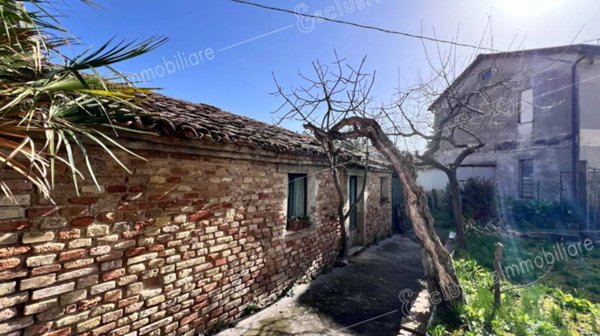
<point x="589" y="106"/>
<point x="547" y="140"/>
<point x="183" y="244"/>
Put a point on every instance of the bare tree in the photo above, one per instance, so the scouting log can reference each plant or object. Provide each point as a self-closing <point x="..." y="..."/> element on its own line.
<point x="334" y="107"/>
<point x="448" y="115"/>
<point x="324" y="102"/>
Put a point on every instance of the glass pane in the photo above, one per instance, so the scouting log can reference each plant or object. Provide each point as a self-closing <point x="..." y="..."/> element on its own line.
<point x="296" y="195"/>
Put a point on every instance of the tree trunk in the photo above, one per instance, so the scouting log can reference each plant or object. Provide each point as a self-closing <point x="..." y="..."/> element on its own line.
<point x="343" y="252"/>
<point x="442" y="279"/>
<point x="457" y="210"/>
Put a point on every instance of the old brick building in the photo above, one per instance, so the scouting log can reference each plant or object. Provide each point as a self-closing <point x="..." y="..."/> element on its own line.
<point x="185" y="242"/>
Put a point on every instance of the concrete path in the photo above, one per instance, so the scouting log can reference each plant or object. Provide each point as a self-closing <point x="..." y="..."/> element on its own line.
<point x="360" y="299"/>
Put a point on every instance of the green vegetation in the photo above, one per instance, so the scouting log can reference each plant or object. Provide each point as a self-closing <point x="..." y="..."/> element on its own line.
<point x="578" y="274"/>
<point x="51" y="105"/>
<point x="531" y="310"/>
<point x="533" y="214"/>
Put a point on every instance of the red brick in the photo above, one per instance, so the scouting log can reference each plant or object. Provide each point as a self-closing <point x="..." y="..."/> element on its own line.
<point x="38" y="329"/>
<point x="82" y="221"/>
<point x="156" y="248"/>
<point x="111" y="256"/>
<point x="131" y="234"/>
<point x="13" y="274"/>
<point x="87" y="304"/>
<point x="116" y="189"/>
<point x="210" y="287"/>
<point x="113" y="296"/>
<point x="200" y="215"/>
<point x="83" y="200"/>
<point x="6" y="264"/>
<point x="13" y="251"/>
<point x="134" y="251"/>
<point x="113" y="274"/>
<point x="188" y="319"/>
<point x="46" y="269"/>
<point x="70" y="234"/>
<point x="127" y="302"/>
<point x="143" y="224"/>
<point x="220" y="262"/>
<point x="61" y="332"/>
<point x="13" y="226"/>
<point x="74" y="254"/>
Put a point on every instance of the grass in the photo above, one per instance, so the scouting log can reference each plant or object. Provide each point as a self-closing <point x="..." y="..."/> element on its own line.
<point x="578" y="275"/>
<point x="563" y="299"/>
<point x="530" y="311"/>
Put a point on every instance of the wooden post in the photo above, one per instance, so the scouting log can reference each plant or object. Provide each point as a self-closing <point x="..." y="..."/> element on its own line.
<point x="498" y="275"/>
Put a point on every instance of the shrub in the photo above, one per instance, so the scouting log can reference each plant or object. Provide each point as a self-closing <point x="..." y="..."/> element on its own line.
<point x="524" y="213"/>
<point x="479" y="199"/>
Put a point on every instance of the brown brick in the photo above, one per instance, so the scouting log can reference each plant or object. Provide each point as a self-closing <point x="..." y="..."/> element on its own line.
<point x="13" y="274"/>
<point x="38" y="307"/>
<point x="116" y="189"/>
<point x="73" y="254"/>
<point x="13" y="300"/>
<point x="74" y="211"/>
<point x="16" y="324"/>
<point x="82" y="221"/>
<point x="37" y="237"/>
<point x="46" y="269"/>
<point x="41" y="212"/>
<point x="14" y="226"/>
<point x="200" y="215"/>
<point x="83" y="200"/>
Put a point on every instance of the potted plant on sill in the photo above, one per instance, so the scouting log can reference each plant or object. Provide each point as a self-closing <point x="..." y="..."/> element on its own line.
<point x="298" y="223"/>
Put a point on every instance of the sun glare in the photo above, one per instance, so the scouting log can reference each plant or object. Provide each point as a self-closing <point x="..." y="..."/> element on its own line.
<point x="527" y="7"/>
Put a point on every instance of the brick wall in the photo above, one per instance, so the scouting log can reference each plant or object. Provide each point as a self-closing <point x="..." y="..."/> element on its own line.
<point x="379" y="214"/>
<point x="182" y="245"/>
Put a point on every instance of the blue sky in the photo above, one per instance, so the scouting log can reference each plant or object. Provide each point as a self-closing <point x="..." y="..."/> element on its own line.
<point x="236" y="49"/>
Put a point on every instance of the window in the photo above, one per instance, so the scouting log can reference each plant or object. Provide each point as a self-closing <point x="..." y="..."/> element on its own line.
<point x="297" y="191"/>
<point x="385" y="190"/>
<point x="526" y="184"/>
<point x="486" y="75"/>
<point x="526" y="106"/>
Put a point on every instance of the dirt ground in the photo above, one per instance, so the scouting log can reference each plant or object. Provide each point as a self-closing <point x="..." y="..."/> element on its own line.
<point x="360" y="299"/>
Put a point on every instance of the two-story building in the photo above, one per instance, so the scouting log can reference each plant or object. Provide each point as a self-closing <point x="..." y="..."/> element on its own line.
<point x="545" y="125"/>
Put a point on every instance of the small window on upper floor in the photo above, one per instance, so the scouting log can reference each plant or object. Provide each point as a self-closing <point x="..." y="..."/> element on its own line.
<point x="486" y="75"/>
<point x="526" y="106"/>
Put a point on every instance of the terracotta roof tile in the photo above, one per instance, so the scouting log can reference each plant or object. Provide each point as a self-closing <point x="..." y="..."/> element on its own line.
<point x="209" y="124"/>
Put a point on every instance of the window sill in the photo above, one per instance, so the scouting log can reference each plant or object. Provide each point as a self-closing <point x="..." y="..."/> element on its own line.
<point x="300" y="233"/>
